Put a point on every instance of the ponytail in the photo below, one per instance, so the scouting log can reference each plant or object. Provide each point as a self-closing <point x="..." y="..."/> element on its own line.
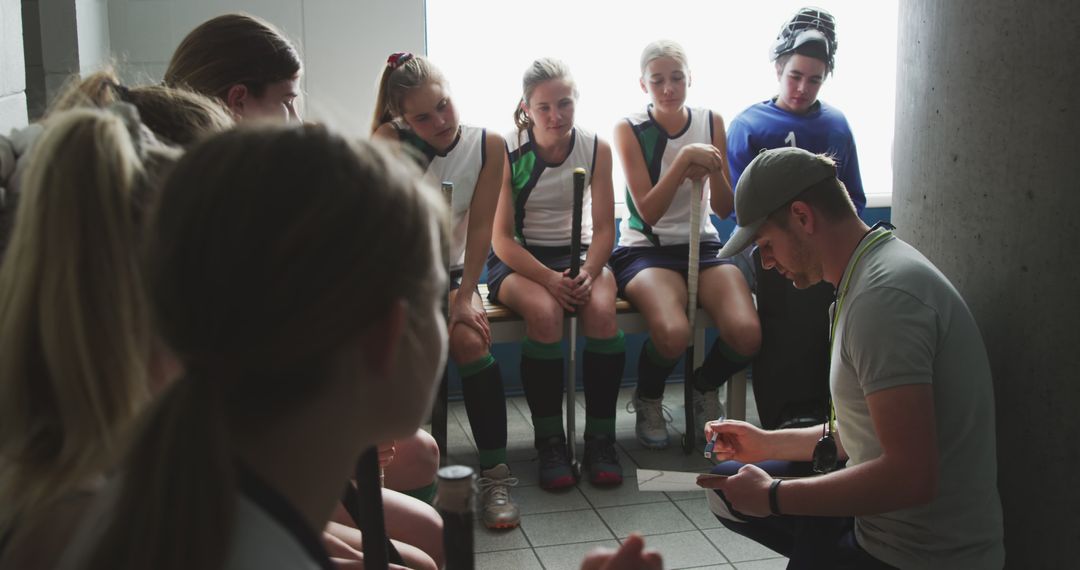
<point x="403" y="72"/>
<point x="176" y="505"/>
<point x="74" y="320"/>
<point x="176" y="115"/>
<point x="382" y="109"/>
<point x="521" y="118"/>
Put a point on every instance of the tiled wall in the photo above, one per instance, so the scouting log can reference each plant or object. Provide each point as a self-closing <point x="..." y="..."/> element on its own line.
<point x="344" y="43"/>
<point x="12" y="70"/>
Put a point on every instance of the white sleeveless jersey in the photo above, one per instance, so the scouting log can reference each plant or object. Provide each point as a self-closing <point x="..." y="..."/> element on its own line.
<point x="659" y="151"/>
<point x="460" y="164"/>
<point x="544" y="193"/>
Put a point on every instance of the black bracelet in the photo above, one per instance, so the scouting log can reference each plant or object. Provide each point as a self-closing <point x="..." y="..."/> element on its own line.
<point x="774" y="505"/>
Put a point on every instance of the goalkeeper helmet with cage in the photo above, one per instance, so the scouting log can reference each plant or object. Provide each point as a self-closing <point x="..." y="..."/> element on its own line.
<point x="811" y="32"/>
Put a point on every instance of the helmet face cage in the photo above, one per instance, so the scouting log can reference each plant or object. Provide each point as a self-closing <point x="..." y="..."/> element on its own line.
<point x="806" y="19"/>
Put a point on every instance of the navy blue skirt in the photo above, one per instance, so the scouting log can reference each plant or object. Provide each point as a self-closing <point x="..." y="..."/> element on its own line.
<point x="627" y="262"/>
<point x="556" y="258"/>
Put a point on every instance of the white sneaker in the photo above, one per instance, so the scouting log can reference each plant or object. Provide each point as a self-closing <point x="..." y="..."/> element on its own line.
<point x="652" y="420"/>
<point x="497" y="509"/>
<point x="707" y="407"/>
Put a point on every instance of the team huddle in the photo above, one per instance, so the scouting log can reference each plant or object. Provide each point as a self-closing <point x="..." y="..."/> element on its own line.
<point x="195" y="347"/>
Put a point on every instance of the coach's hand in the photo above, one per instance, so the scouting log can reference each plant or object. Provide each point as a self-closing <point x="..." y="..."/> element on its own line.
<point x="747" y="490"/>
<point x="738" y="440"/>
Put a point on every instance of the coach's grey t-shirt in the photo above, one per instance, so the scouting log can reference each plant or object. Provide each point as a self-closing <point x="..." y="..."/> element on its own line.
<point x="902" y="322"/>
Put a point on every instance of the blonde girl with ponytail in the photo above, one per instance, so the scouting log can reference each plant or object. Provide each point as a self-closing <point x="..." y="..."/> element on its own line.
<point x="265" y="294"/>
<point x="76" y="347"/>
<point x="414" y="107"/>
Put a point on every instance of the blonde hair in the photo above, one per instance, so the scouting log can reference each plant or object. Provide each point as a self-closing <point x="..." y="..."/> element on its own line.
<point x="401" y="74"/>
<point x="176" y="115"/>
<point x="74" y="329"/>
<point x="663" y="48"/>
<point x="257" y="315"/>
<point x="541" y="70"/>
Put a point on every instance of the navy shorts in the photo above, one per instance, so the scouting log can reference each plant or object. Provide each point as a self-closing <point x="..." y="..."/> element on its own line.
<point x="627" y="262"/>
<point x="553" y="257"/>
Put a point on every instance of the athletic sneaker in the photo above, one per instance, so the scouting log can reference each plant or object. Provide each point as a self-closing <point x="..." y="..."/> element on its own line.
<point x="652" y="420"/>
<point x="555" y="469"/>
<point x="497" y="509"/>
<point x="601" y="460"/>
<point x="707" y="407"/>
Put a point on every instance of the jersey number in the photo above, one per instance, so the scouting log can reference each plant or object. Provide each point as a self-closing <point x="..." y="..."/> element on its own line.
<point x="790" y="138"/>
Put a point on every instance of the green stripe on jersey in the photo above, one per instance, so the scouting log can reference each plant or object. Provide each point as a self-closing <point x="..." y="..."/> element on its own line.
<point x="424" y="152"/>
<point x="521" y="173"/>
<point x="648" y="138"/>
<point x="637" y="223"/>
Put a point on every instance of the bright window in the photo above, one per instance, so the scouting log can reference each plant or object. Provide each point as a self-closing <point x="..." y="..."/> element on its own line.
<point x="484" y="46"/>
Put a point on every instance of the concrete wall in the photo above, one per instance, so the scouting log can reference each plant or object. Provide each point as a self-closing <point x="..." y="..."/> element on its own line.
<point x="986" y="176"/>
<point x="12" y="70"/>
<point x="344" y="44"/>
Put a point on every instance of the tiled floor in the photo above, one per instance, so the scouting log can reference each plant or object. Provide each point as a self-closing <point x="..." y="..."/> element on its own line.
<point x="558" y="528"/>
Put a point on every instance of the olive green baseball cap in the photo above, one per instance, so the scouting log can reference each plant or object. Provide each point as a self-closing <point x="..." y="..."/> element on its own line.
<point x="772" y="179"/>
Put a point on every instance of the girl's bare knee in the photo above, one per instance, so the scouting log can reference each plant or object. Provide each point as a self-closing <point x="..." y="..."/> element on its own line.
<point x="545" y="323"/>
<point x="670" y="341"/>
<point x="466" y="345"/>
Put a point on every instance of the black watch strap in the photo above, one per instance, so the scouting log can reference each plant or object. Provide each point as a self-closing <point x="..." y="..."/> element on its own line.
<point x="774" y="505"/>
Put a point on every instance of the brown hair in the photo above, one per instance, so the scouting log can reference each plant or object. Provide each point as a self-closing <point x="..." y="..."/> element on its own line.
<point x="74" y="325"/>
<point x="541" y="70"/>
<point x="232" y="49"/>
<point x="176" y="115"/>
<point x="256" y="286"/>
<point x="402" y="73"/>
<point x="782" y="60"/>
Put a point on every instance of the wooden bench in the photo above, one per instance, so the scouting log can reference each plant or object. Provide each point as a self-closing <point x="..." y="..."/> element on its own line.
<point x="507" y="326"/>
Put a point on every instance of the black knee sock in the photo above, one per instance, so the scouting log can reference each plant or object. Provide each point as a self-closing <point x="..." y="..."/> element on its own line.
<point x="542" y="377"/>
<point x="653" y="371"/>
<point x="602" y="368"/>
<point x="485" y="404"/>
<point x="721" y="362"/>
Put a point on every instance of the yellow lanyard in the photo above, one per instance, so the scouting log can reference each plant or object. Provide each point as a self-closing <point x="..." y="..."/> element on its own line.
<point x="841" y="293"/>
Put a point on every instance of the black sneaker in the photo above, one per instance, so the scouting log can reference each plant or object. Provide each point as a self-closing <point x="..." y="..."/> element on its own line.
<point x="602" y="461"/>
<point x="555" y="469"/>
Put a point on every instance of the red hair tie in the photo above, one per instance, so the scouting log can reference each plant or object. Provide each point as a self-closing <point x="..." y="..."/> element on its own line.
<point x="398" y="59"/>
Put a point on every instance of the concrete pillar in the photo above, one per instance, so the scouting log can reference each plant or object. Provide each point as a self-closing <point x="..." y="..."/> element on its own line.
<point x="12" y="71"/>
<point x="62" y="38"/>
<point x="987" y="185"/>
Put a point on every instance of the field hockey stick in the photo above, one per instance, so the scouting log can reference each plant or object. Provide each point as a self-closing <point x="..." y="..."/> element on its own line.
<point x="367" y="511"/>
<point x="575" y="270"/>
<point x="442" y="401"/>
<point x="691" y="311"/>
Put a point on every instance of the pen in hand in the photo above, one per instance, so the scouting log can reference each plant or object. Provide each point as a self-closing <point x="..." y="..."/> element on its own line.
<point x="712" y="441"/>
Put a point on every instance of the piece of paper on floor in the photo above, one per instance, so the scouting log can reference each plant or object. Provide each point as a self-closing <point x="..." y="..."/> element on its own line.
<point x="654" y="480"/>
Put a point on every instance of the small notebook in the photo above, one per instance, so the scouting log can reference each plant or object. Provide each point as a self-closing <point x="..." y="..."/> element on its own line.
<point x="654" y="480"/>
